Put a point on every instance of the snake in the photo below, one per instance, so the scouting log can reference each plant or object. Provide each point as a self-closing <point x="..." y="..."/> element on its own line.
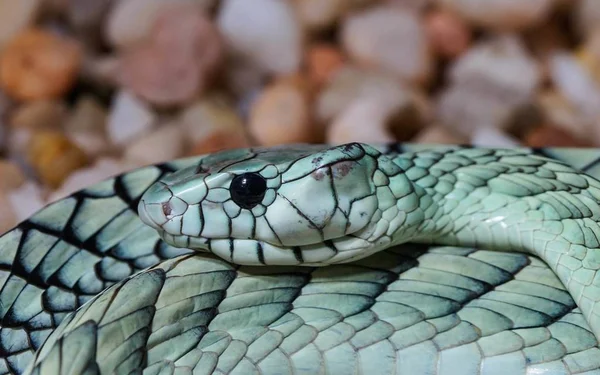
<point x="314" y="259"/>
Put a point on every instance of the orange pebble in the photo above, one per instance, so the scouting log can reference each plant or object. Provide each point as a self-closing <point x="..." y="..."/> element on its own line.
<point x="448" y="34"/>
<point x="322" y="61"/>
<point x="38" y="64"/>
<point x="552" y="136"/>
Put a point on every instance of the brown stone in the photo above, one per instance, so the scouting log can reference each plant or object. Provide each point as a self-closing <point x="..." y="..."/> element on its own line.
<point x="552" y="136"/>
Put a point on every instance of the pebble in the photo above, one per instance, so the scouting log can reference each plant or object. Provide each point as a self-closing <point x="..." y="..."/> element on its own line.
<point x="587" y="16"/>
<point x="390" y="39"/>
<point x="322" y="61"/>
<point x="212" y="125"/>
<point x="575" y="83"/>
<point x="436" y="134"/>
<point x="350" y="82"/>
<point x="54" y="157"/>
<point x="8" y="219"/>
<point x="11" y="176"/>
<point x="552" y="136"/>
<point x="267" y="32"/>
<point x="501" y="15"/>
<point x="560" y="112"/>
<point x="319" y="15"/>
<point x="494" y="77"/>
<point x="176" y="63"/>
<point x="86" y="126"/>
<point x="129" y="118"/>
<point x="102" y="169"/>
<point x="16" y="16"/>
<point x="281" y="114"/>
<point x="165" y="143"/>
<point x="87" y="17"/>
<point x="448" y="34"/>
<point x="489" y="136"/>
<point x="38" y="64"/>
<point x="39" y="114"/>
<point x="26" y="200"/>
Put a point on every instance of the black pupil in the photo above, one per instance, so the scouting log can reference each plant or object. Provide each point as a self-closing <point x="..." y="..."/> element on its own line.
<point x="248" y="190"/>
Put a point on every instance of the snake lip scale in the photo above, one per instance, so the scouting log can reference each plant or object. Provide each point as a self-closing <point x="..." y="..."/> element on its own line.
<point x="353" y="258"/>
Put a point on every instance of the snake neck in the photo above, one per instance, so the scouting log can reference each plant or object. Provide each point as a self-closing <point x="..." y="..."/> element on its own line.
<point x="508" y="200"/>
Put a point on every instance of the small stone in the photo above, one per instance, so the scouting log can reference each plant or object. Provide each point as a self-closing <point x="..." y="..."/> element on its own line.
<point x="102" y="169"/>
<point x="318" y="15"/>
<point x="390" y="39"/>
<point x="8" y="219"/>
<point x="163" y="144"/>
<point x="15" y="16"/>
<point x="26" y="200"/>
<point x="487" y="85"/>
<point x="131" y="21"/>
<point x="436" y="134"/>
<point x="488" y="136"/>
<point x="449" y="35"/>
<point x="281" y="114"/>
<point x="322" y="61"/>
<point x="86" y="126"/>
<point x="178" y="60"/>
<point x="552" y="136"/>
<point x="501" y="14"/>
<point x="350" y="82"/>
<point x="11" y="176"/>
<point x="267" y="32"/>
<point x="39" y="114"/>
<point x="39" y="65"/>
<point x="587" y="16"/>
<point x="129" y="118"/>
<point x="560" y="112"/>
<point x="54" y="157"/>
<point x="576" y="84"/>
<point x="212" y="125"/>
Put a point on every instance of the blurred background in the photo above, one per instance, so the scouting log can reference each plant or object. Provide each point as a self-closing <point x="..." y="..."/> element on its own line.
<point x="92" y="88"/>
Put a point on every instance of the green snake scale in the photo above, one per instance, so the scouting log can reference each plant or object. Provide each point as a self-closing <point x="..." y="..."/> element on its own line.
<point x="354" y="259"/>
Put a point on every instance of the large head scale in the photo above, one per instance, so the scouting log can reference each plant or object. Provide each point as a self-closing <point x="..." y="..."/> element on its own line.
<point x="290" y="205"/>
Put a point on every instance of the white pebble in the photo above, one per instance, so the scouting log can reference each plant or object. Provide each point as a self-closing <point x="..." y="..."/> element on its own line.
<point x="129" y="118"/>
<point x="26" y="200"/>
<point x="390" y="39"/>
<point x="163" y="144"/>
<point x="575" y="83"/>
<point x="266" y="31"/>
<point x="501" y="14"/>
<point x="102" y="169"/>
<point x="488" y="136"/>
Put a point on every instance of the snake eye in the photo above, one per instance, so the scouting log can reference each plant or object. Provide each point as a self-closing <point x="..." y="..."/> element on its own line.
<point x="248" y="190"/>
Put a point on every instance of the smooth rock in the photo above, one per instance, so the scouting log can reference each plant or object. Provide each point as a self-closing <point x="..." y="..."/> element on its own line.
<point x="318" y="15"/>
<point x="8" y="219"/>
<point x="267" y="32"/>
<point x="553" y="136"/>
<point x="587" y="16"/>
<point x="177" y="63"/>
<point x="389" y="39"/>
<point x="15" y="16"/>
<point x="436" y="134"/>
<point x="129" y="118"/>
<point x="163" y="144"/>
<point x="487" y="85"/>
<point x="39" y="114"/>
<point x="281" y="114"/>
<point x="575" y="83"/>
<point x="26" y="200"/>
<point x="449" y="35"/>
<point x="489" y="136"/>
<point x="350" y="82"/>
<point x="501" y="14"/>
<point x="11" y="176"/>
<point x="322" y="61"/>
<point x="54" y="157"/>
<point x="86" y="126"/>
<point x="38" y="64"/>
<point x="212" y="125"/>
<point x="564" y="114"/>
<point x="102" y="169"/>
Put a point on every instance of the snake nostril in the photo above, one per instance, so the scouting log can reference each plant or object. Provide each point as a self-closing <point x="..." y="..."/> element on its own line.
<point x="167" y="209"/>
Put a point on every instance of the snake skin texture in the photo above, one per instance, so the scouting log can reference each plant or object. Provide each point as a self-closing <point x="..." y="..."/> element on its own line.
<point x="409" y="309"/>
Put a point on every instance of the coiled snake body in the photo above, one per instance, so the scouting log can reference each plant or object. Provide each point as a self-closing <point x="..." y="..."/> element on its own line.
<point x="314" y="260"/>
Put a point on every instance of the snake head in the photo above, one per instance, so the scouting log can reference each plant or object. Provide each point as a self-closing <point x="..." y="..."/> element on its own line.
<point x="301" y="204"/>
